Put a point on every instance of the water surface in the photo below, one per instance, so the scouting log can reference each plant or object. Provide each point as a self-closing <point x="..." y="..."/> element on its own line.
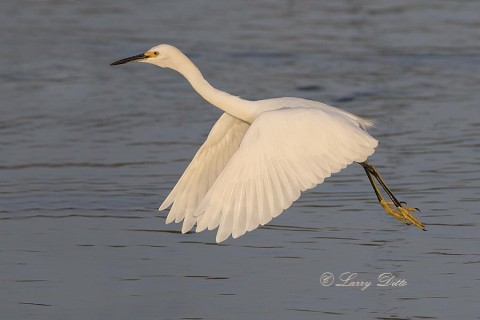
<point x="89" y="151"/>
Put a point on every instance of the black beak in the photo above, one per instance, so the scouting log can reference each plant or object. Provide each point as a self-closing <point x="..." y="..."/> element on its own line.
<point x="129" y="59"/>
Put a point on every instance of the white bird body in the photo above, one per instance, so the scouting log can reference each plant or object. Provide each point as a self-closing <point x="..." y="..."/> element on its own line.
<point x="258" y="156"/>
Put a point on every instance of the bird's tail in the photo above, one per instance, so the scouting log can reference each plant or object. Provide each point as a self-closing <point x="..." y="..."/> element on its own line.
<point x="365" y="123"/>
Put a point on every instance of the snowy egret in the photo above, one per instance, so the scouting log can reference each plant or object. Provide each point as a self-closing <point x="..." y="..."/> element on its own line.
<point x="260" y="155"/>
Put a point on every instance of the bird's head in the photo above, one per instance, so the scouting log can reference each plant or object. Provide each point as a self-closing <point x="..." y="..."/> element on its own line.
<point x="163" y="55"/>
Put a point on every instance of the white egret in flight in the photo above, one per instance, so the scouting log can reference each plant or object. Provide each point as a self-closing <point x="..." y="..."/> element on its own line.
<point x="261" y="154"/>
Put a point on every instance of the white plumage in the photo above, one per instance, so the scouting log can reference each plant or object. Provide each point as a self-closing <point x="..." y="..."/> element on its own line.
<point x="246" y="182"/>
<point x="272" y="166"/>
<point x="245" y="175"/>
<point x="259" y="155"/>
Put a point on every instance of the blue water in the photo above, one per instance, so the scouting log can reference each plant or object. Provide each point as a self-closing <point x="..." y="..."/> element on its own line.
<point x="89" y="151"/>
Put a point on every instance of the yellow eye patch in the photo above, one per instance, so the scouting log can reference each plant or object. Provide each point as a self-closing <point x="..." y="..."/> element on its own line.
<point x="151" y="54"/>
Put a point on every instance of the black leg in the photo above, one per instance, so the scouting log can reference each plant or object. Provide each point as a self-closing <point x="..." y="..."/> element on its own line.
<point x="371" y="169"/>
<point x="372" y="182"/>
<point x="401" y="212"/>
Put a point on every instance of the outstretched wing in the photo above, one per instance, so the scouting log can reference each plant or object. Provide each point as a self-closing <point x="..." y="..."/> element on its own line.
<point x="222" y="142"/>
<point x="284" y="152"/>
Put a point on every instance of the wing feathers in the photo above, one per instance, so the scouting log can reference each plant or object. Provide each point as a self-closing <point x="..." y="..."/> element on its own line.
<point x="283" y="152"/>
<point x="210" y="160"/>
<point x="241" y="179"/>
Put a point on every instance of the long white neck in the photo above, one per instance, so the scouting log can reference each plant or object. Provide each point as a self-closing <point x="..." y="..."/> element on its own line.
<point x="239" y="108"/>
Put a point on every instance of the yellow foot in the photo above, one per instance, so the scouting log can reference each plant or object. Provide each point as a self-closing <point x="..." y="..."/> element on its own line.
<point x="402" y="213"/>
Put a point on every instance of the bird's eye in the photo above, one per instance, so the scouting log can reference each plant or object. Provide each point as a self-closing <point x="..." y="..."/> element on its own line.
<point x="156" y="53"/>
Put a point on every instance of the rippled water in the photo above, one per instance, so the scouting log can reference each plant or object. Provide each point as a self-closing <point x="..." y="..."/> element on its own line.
<point x="89" y="151"/>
